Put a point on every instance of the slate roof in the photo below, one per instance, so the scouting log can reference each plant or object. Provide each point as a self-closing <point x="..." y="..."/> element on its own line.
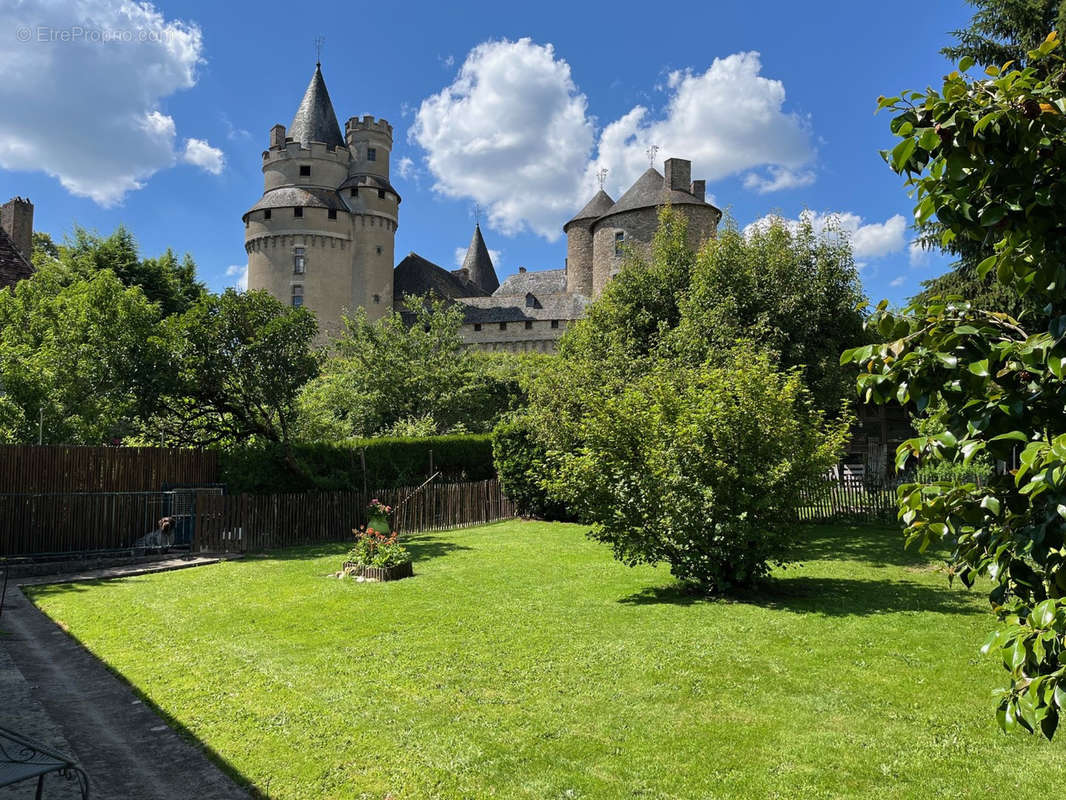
<point x="374" y="181"/>
<point x="478" y="263"/>
<point x="13" y="265"/>
<point x="417" y="275"/>
<point x="291" y="196"/>
<point x="650" y="191"/>
<point x="595" y="208"/>
<point x="315" y="120"/>
<point x="540" y="282"/>
<point x="513" y="308"/>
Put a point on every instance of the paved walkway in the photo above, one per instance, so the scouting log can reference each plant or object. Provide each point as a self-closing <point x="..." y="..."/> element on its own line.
<point x="63" y="695"/>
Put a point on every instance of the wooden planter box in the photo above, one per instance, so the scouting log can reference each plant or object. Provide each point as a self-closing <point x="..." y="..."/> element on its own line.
<point x="381" y="573"/>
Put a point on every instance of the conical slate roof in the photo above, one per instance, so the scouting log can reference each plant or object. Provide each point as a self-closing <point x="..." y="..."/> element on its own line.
<point x="478" y="264"/>
<point x="650" y="191"/>
<point x="315" y="120"/>
<point x="596" y="207"/>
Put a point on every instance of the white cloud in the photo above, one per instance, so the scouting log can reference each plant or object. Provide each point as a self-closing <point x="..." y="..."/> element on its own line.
<point x="406" y="167"/>
<point x="918" y="254"/>
<point x="200" y="154"/>
<point x="727" y="119"/>
<point x="897" y="281"/>
<point x="240" y="272"/>
<point x="869" y="240"/>
<point x="83" y="93"/>
<point x="495" y="255"/>
<point x="513" y="132"/>
<point x="777" y="179"/>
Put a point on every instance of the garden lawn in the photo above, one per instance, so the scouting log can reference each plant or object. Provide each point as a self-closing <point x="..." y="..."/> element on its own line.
<point x="523" y="662"/>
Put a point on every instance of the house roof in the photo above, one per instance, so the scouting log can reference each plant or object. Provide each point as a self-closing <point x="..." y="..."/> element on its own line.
<point x="540" y="282"/>
<point x="596" y="207"/>
<point x="374" y="181"/>
<point x="419" y="276"/>
<point x="514" y="308"/>
<point x="650" y="191"/>
<point x="315" y="120"/>
<point x="13" y="265"/>
<point x="478" y="263"/>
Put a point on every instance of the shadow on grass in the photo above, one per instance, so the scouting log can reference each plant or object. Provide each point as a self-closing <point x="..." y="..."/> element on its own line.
<point x="833" y="597"/>
<point x="876" y="545"/>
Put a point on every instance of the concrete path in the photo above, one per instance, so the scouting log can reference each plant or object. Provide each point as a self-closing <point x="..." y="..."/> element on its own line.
<point x="79" y="707"/>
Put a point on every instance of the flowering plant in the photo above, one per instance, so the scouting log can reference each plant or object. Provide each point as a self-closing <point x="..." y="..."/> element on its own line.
<point x="377" y="549"/>
<point x="378" y="509"/>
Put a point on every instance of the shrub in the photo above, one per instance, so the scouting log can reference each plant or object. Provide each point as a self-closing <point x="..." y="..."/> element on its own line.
<point x="700" y="469"/>
<point x="377" y="549"/>
<point x="520" y="463"/>
<point x="325" y="466"/>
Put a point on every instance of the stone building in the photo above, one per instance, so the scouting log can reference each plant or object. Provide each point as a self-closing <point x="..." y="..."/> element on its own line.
<point x="323" y="233"/>
<point x="322" y="236"/>
<point x="16" y="241"/>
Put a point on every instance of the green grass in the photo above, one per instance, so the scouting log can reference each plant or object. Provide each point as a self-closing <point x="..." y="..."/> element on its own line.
<point x="523" y="662"/>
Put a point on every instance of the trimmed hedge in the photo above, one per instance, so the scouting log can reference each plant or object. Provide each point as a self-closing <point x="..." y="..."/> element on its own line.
<point x="520" y="461"/>
<point x="328" y="466"/>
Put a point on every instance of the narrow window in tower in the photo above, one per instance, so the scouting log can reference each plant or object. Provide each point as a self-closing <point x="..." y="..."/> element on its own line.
<point x="354" y="191"/>
<point x="619" y="240"/>
<point x="371" y="154"/>
<point x="332" y="213"/>
<point x="298" y="260"/>
<point x="381" y="194"/>
<point x="377" y="298"/>
<point x="297" y="295"/>
<point x="529" y="325"/>
<point x="305" y="170"/>
<point x="555" y="323"/>
<point x="379" y="249"/>
<point x="477" y="326"/>
<point x="266" y="214"/>
<point x="503" y="326"/>
<point x="298" y="211"/>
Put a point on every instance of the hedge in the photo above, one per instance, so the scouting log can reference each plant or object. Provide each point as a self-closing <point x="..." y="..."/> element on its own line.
<point x="328" y="466"/>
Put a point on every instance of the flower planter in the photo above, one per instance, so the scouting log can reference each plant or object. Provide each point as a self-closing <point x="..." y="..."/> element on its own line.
<point x="393" y="573"/>
<point x="379" y="524"/>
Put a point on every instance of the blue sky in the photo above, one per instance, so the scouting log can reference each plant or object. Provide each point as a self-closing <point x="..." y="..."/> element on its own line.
<point x="161" y="126"/>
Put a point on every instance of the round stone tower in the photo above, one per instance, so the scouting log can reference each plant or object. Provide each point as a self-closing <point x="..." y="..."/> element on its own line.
<point x="579" y="244"/>
<point x="375" y="208"/>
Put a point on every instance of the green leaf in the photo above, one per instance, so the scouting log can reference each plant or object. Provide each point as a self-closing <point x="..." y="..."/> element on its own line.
<point x="984" y="121"/>
<point x="979" y="368"/>
<point x="929" y="141"/>
<point x="902" y="153"/>
<point x="966" y="63"/>
<point x="985" y="266"/>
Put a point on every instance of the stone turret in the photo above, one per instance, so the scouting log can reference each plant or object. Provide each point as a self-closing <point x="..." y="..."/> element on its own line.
<point x="579" y="244"/>
<point x="16" y="218"/>
<point x="478" y="264"/>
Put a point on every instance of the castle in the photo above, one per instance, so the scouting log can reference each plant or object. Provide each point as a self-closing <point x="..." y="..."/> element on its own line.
<point x="323" y="235"/>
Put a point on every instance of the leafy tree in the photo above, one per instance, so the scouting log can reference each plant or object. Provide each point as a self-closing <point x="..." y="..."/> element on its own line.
<point x="402" y="377"/>
<point x="80" y="361"/>
<point x="1006" y="30"/>
<point x="795" y="292"/>
<point x="239" y="361"/>
<point x="986" y="157"/>
<point x="701" y="468"/>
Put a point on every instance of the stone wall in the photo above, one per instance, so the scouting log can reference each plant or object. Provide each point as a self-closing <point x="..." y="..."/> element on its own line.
<point x="516" y="338"/>
<point x="579" y="257"/>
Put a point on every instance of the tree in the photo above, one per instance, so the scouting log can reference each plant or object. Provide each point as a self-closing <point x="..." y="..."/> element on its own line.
<point x="239" y="361"/>
<point x="80" y="363"/>
<point x="700" y="468"/>
<point x="1006" y="30"/>
<point x="411" y="376"/>
<point x="986" y="157"/>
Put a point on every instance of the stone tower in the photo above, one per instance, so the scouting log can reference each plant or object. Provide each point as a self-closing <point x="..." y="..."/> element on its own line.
<point x="478" y="264"/>
<point x="16" y="218"/>
<point x="322" y="234"/>
<point x="579" y="244"/>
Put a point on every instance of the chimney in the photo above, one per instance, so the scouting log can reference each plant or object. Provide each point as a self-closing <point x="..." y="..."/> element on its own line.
<point x="277" y="136"/>
<point x="16" y="218"/>
<point x="699" y="190"/>
<point x="521" y="270"/>
<point x="678" y="175"/>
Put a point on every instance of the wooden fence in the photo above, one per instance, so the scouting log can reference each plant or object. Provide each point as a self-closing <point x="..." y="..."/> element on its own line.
<point x="62" y="468"/>
<point x="37" y="524"/>
<point x="843" y="498"/>
<point x="240" y="523"/>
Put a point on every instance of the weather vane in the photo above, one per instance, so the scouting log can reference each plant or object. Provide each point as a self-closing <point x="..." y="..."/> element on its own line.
<point x="477" y="214"/>
<point x="602" y="175"/>
<point x="319" y="41"/>
<point x="651" y="151"/>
